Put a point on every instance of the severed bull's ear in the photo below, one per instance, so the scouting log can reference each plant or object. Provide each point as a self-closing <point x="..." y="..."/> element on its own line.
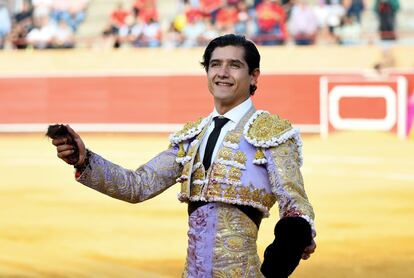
<point x="56" y="131"/>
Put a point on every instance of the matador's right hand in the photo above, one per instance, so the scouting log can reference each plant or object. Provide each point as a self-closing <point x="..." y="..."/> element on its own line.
<point x="64" y="149"/>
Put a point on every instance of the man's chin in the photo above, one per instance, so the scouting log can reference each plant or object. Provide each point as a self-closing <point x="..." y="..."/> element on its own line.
<point x="223" y="92"/>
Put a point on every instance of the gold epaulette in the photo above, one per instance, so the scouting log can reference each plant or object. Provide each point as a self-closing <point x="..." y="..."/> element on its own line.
<point x="264" y="130"/>
<point x="189" y="130"/>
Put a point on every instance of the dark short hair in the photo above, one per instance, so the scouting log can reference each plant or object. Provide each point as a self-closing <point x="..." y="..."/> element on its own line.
<point x="251" y="54"/>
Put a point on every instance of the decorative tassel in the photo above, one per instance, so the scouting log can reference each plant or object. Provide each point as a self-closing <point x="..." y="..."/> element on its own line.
<point x="259" y="154"/>
<point x="259" y="157"/>
<point x="181" y="152"/>
<point x="182" y="158"/>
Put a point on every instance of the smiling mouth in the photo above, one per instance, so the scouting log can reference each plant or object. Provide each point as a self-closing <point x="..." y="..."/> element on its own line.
<point x="223" y="84"/>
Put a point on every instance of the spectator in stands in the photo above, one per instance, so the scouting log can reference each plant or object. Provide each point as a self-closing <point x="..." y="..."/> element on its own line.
<point x="244" y="20"/>
<point x="386" y="11"/>
<point x="246" y="24"/>
<point x="24" y="16"/>
<point x="77" y="13"/>
<point x="173" y="37"/>
<point x="271" y="20"/>
<point x="5" y="23"/>
<point x="227" y="17"/>
<point x="233" y="2"/>
<point x="193" y="13"/>
<point x="73" y="12"/>
<point x="118" y="17"/>
<point x="193" y="32"/>
<point x="116" y="22"/>
<point x="210" y="8"/>
<point x="182" y="4"/>
<point x="303" y="23"/>
<point x="329" y="14"/>
<point x="18" y="36"/>
<point x="349" y="32"/>
<point x="210" y="33"/>
<point x="23" y="24"/>
<point x="256" y="3"/>
<point x="148" y="12"/>
<point x="137" y="6"/>
<point x="63" y="36"/>
<point x="179" y="22"/>
<point x="60" y="10"/>
<point x="42" y="35"/>
<point x="335" y="12"/>
<point x="185" y="12"/>
<point x="131" y="32"/>
<point x="151" y="34"/>
<point x="287" y="6"/>
<point x="42" y="8"/>
<point x="354" y="8"/>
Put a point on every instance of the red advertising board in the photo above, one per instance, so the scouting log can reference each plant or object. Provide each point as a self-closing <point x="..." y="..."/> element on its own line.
<point x="160" y="103"/>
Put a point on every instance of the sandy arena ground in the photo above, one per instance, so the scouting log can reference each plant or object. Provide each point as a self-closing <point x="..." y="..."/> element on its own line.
<point x="361" y="186"/>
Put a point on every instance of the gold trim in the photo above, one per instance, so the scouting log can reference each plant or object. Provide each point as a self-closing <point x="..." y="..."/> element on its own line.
<point x="267" y="127"/>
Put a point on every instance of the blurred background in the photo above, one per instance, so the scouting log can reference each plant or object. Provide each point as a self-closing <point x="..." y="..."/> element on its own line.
<point x="125" y="74"/>
<point x="44" y="24"/>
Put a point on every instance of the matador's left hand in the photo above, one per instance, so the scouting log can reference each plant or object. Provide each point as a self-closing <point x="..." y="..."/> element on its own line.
<point x="309" y="250"/>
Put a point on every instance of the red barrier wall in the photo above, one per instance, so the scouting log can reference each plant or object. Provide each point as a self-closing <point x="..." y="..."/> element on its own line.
<point x="148" y="99"/>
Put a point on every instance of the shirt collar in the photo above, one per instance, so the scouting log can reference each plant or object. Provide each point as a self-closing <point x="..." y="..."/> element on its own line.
<point x="237" y="112"/>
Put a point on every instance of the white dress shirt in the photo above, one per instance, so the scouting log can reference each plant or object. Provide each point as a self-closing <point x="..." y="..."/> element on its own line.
<point x="234" y="116"/>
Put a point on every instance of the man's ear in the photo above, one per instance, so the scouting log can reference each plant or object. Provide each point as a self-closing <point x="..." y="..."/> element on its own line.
<point x="255" y="76"/>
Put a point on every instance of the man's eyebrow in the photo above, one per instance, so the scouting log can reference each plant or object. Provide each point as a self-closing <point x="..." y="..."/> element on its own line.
<point x="230" y="60"/>
<point x="215" y="60"/>
<point x="237" y="61"/>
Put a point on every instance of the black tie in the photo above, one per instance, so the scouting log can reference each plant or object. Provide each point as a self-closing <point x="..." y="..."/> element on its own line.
<point x="219" y="122"/>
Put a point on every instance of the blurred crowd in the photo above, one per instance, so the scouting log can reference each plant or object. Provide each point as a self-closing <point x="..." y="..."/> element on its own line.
<point x="41" y="24"/>
<point x="53" y="23"/>
<point x="266" y="22"/>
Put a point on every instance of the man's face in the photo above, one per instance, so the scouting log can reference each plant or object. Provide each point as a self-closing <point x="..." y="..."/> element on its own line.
<point x="228" y="77"/>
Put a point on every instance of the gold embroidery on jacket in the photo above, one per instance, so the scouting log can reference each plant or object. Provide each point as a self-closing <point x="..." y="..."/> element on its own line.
<point x="240" y="157"/>
<point x="196" y="189"/>
<point x="232" y="137"/>
<point x="234" y="174"/>
<point x="256" y="196"/>
<point x="185" y="182"/>
<point x="269" y="200"/>
<point x="198" y="174"/>
<point x="214" y="190"/>
<point x="225" y="153"/>
<point x="230" y="192"/>
<point x="188" y="126"/>
<point x="219" y="171"/>
<point x="244" y="193"/>
<point x="286" y="159"/>
<point x="185" y="185"/>
<point x="266" y="127"/>
<point x="247" y="195"/>
<point x="235" y="251"/>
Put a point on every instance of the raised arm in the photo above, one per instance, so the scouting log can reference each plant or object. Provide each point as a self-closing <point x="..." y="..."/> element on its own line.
<point x="113" y="180"/>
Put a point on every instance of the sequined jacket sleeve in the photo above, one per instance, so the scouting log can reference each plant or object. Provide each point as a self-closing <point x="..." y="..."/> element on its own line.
<point x="283" y="166"/>
<point x="132" y="186"/>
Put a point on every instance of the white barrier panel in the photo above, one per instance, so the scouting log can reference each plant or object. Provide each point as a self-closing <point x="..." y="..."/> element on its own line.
<point x="395" y="109"/>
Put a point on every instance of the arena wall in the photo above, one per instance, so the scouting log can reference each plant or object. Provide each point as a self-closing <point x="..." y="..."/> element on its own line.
<point x="164" y="88"/>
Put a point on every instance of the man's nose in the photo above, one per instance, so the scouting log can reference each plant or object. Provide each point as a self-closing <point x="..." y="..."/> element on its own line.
<point x="223" y="72"/>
